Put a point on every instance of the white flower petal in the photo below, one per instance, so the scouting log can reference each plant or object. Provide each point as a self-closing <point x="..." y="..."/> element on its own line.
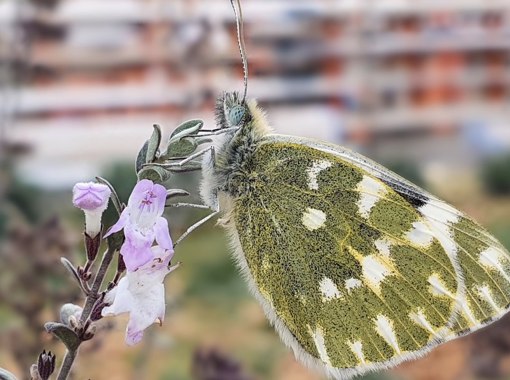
<point x="142" y="295"/>
<point x="123" y="301"/>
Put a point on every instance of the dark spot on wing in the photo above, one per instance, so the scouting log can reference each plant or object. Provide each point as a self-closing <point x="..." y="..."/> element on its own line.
<point x="413" y="197"/>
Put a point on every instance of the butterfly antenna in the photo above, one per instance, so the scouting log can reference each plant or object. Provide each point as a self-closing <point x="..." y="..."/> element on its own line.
<point x="236" y="5"/>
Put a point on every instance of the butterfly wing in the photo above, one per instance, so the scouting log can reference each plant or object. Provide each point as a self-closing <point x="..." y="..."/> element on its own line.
<point x="481" y="260"/>
<point x="357" y="268"/>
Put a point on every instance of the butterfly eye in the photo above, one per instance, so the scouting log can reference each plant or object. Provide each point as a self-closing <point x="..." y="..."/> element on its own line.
<point x="236" y="115"/>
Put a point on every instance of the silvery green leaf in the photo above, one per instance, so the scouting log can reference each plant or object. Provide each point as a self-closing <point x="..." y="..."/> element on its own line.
<point x="172" y="193"/>
<point x="64" y="333"/>
<point x="114" y="196"/>
<point x="70" y="267"/>
<point x="187" y="128"/>
<point x="74" y="272"/>
<point x="6" y="375"/>
<point x="189" y="167"/>
<point x="180" y="148"/>
<point x="141" y="159"/>
<point x="153" y="144"/>
<point x="149" y="150"/>
<point x="154" y="173"/>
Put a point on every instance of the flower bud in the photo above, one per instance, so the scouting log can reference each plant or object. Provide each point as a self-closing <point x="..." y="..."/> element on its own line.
<point x="92" y="245"/>
<point x="73" y="323"/>
<point x="92" y="198"/>
<point x="97" y="311"/>
<point x="70" y="311"/>
<point x="34" y="373"/>
<point x="90" y="332"/>
<point x="46" y="365"/>
<point x="121" y="265"/>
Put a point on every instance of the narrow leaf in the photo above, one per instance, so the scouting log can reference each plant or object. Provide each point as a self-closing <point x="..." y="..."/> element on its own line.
<point x="189" y="167"/>
<point x="187" y="128"/>
<point x="70" y="267"/>
<point x="172" y="193"/>
<point x="180" y="148"/>
<point x="141" y="158"/>
<point x="156" y="174"/>
<point x="65" y="334"/>
<point x="153" y="144"/>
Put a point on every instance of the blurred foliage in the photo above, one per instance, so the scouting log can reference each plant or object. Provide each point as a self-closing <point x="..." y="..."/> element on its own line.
<point x="21" y="201"/>
<point x="15" y="193"/>
<point x="407" y="170"/>
<point x="30" y="286"/>
<point x="3" y="223"/>
<point x="501" y="231"/>
<point x="210" y="270"/>
<point x="212" y="364"/>
<point x="495" y="175"/>
<point x="26" y="198"/>
<point x="490" y="351"/>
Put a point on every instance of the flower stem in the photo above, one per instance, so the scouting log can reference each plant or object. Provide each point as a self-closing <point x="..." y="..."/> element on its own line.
<point x="91" y="299"/>
<point x="98" y="281"/>
<point x="65" y="369"/>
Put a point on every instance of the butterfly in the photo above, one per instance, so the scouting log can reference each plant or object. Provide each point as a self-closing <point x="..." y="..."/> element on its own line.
<point x="357" y="268"/>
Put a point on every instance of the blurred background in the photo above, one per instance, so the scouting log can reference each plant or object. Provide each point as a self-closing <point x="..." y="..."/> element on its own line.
<point x="421" y="86"/>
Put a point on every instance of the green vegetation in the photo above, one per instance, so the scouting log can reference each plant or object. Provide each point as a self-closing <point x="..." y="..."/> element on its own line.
<point x="501" y="231"/>
<point x="407" y="170"/>
<point x="210" y="272"/>
<point x="495" y="175"/>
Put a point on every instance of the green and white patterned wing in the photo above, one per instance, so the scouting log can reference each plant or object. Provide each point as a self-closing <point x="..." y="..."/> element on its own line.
<point x="481" y="260"/>
<point x="357" y="268"/>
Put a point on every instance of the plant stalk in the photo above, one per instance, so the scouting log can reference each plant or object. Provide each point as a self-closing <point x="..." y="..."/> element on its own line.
<point x="98" y="281"/>
<point x="65" y="369"/>
<point x="91" y="299"/>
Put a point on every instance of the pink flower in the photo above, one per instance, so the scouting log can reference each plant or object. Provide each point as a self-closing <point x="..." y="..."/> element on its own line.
<point x="141" y="294"/>
<point x="143" y="223"/>
<point x="92" y="198"/>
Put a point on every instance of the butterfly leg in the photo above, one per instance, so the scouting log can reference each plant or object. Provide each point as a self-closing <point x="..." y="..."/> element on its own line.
<point x="195" y="226"/>
<point x="187" y="159"/>
<point x="192" y="205"/>
<point x="215" y="211"/>
<point x="215" y="206"/>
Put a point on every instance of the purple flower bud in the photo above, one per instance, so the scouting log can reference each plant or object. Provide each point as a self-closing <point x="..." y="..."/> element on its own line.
<point x="46" y="365"/>
<point x="92" y="198"/>
<point x="97" y="311"/>
<point x="92" y="245"/>
<point x="121" y="265"/>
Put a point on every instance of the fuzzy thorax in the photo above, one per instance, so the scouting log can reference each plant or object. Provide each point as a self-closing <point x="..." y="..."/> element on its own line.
<point x="229" y="170"/>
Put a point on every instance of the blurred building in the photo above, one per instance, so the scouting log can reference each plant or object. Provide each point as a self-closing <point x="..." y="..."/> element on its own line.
<point x="422" y="80"/>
